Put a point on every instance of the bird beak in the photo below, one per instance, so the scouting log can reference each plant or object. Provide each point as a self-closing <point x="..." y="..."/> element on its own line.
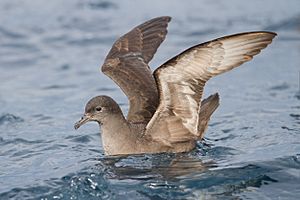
<point x="82" y="121"/>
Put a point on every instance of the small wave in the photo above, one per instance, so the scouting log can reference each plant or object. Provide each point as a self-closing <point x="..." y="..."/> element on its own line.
<point x="11" y="34"/>
<point x="212" y="124"/>
<point x="41" y="117"/>
<point x="283" y="86"/>
<point x="25" y="193"/>
<point x="80" y="138"/>
<point x="287" y="128"/>
<point x="21" y="46"/>
<point x="297" y="95"/>
<point x="21" y="62"/>
<point x="53" y="87"/>
<point x="229" y="137"/>
<point x="98" y="151"/>
<point x="246" y="128"/>
<point x="64" y="67"/>
<point x="106" y="89"/>
<point x="24" y="152"/>
<point x="22" y="141"/>
<point x="10" y="119"/>
<point x="103" y="5"/>
<point x="295" y="116"/>
<point x="88" y="41"/>
<point x="227" y="130"/>
<point x="55" y="39"/>
<point x="54" y="147"/>
<point x="87" y="184"/>
<point x="222" y="151"/>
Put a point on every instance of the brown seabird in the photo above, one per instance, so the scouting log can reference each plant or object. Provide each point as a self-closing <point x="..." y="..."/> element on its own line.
<point x="166" y="113"/>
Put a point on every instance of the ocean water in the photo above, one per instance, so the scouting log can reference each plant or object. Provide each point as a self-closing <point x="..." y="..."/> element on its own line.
<point x="50" y="54"/>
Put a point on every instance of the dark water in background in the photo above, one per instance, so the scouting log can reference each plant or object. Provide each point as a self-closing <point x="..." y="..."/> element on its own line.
<point x="50" y="54"/>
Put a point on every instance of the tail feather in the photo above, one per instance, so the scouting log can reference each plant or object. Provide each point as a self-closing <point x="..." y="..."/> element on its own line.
<point x="208" y="106"/>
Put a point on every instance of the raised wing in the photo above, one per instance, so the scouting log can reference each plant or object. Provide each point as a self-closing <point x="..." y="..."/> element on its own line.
<point x="181" y="81"/>
<point x="127" y="64"/>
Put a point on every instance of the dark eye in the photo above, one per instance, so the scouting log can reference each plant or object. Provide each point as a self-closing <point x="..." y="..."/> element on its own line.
<point x="98" y="109"/>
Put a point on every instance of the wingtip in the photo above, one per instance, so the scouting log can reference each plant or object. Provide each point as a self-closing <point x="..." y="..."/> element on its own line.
<point x="272" y="34"/>
<point x="212" y="98"/>
<point x="167" y="18"/>
<point x="215" y="96"/>
<point x="269" y="32"/>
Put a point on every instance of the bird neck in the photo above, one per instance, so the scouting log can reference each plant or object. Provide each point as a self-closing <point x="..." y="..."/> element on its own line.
<point x="116" y="135"/>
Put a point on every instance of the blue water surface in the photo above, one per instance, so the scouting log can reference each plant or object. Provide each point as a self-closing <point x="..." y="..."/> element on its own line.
<point x="50" y="54"/>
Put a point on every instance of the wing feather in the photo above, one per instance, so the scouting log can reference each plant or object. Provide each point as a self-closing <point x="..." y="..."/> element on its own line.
<point x="181" y="81"/>
<point x="127" y="64"/>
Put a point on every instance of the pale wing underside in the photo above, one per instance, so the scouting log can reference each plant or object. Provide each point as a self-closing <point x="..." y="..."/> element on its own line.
<point x="127" y="65"/>
<point x="181" y="81"/>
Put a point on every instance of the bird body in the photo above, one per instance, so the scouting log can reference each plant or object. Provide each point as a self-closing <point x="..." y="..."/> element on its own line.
<point x="166" y="113"/>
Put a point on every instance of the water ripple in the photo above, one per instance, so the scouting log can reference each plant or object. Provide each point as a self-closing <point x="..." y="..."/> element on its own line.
<point x="8" y="118"/>
<point x="53" y="87"/>
<point x="64" y="67"/>
<point x="88" y="41"/>
<point x="41" y="117"/>
<point x="105" y="180"/>
<point x="283" y="86"/>
<point x="20" y="46"/>
<point x="11" y="34"/>
<point x="22" y="141"/>
<point x="103" y="5"/>
<point x="80" y="138"/>
<point x="295" y="116"/>
<point x="297" y="95"/>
